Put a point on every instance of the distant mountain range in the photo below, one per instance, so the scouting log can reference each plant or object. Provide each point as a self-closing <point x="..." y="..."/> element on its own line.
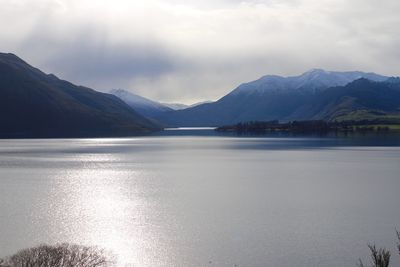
<point x="316" y="94"/>
<point x="147" y="107"/>
<point x="35" y="104"/>
<point x="142" y="105"/>
<point x="176" y="106"/>
<point x="310" y="81"/>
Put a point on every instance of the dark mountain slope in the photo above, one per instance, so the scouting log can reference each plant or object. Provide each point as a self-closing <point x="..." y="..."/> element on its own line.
<point x="362" y="94"/>
<point x="34" y="104"/>
<point x="228" y="110"/>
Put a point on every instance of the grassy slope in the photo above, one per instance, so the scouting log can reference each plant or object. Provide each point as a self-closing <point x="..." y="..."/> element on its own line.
<point x="359" y="115"/>
<point x="380" y="119"/>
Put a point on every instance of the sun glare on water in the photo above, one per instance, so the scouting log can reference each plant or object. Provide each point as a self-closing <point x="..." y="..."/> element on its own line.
<point x="95" y="208"/>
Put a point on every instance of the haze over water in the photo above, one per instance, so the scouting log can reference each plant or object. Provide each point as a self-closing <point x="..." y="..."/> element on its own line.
<point x="202" y="200"/>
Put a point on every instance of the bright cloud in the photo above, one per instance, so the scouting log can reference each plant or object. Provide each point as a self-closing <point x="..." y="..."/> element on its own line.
<point x="185" y="51"/>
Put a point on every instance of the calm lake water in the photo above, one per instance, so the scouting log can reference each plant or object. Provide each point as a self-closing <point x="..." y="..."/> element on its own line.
<point x="203" y="200"/>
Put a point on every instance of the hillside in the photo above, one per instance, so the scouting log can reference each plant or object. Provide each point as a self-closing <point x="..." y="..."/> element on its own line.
<point x="361" y="99"/>
<point x="316" y="94"/>
<point x="34" y="104"/>
<point x="142" y="105"/>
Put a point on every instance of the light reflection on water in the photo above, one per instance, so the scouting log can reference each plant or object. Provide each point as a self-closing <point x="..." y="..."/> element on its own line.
<point x="100" y="209"/>
<point x="96" y="205"/>
<point x="199" y="201"/>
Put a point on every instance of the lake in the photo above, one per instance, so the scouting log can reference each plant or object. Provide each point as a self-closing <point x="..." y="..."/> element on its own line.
<point x="193" y="200"/>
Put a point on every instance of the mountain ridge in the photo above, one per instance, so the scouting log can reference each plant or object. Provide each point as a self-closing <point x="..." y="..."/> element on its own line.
<point x="142" y="105"/>
<point x="43" y="105"/>
<point x="36" y="104"/>
<point x="269" y="98"/>
<point x="147" y="107"/>
<point x="314" y="79"/>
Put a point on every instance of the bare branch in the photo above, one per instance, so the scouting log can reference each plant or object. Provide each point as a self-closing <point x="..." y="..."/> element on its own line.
<point x="380" y="257"/>
<point x="398" y="244"/>
<point x="63" y="255"/>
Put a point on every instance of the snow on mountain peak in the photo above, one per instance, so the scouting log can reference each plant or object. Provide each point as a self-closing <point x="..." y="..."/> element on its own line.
<point x="312" y="80"/>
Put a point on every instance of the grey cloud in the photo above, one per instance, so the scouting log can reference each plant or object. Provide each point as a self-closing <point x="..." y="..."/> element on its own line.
<point x="87" y="61"/>
<point x="88" y="57"/>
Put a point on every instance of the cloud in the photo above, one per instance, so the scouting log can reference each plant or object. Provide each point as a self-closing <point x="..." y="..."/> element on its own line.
<point x="174" y="50"/>
<point x="86" y="58"/>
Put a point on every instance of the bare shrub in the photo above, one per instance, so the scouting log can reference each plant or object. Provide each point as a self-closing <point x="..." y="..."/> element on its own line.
<point x="62" y="255"/>
<point x="380" y="257"/>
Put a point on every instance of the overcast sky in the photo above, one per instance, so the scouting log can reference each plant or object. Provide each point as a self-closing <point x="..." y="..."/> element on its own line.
<point x="188" y="51"/>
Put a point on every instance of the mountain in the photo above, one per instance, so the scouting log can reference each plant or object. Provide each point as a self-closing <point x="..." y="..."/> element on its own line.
<point x="149" y="108"/>
<point x="269" y="98"/>
<point x="142" y="105"/>
<point x="360" y="99"/>
<point x="200" y="103"/>
<point x="35" y="104"/>
<point x="175" y="106"/>
<point x="313" y="80"/>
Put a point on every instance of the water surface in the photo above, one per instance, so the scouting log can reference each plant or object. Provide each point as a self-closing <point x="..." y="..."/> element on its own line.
<point x="203" y="200"/>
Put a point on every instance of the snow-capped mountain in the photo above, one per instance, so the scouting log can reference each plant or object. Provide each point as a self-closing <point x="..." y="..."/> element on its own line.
<point x="315" y="79"/>
<point x="288" y="98"/>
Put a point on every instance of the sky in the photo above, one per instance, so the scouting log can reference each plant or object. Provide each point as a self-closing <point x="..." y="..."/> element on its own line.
<point x="189" y="51"/>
